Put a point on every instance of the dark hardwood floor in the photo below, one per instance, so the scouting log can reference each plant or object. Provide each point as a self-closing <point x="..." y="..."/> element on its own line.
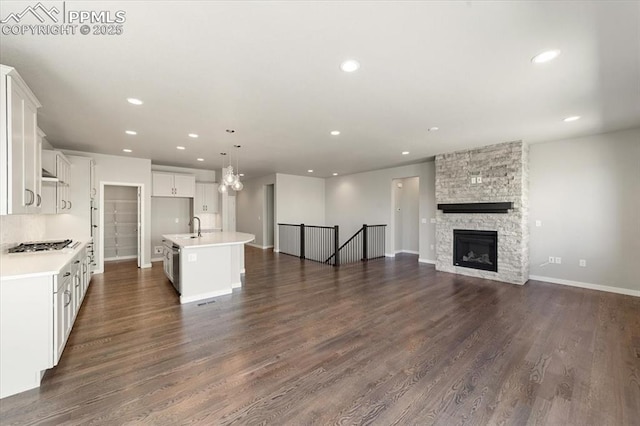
<point x="385" y="342"/>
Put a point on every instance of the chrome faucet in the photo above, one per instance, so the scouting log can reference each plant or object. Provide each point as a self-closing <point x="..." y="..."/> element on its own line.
<point x="199" y="230"/>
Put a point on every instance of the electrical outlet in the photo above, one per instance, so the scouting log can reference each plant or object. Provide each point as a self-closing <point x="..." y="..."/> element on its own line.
<point x="433" y="220"/>
<point x="583" y="263"/>
<point x="193" y="257"/>
<point x="157" y="250"/>
<point x="552" y="259"/>
<point x="538" y="223"/>
<point x="479" y="179"/>
<point x="424" y="220"/>
<point x="558" y="260"/>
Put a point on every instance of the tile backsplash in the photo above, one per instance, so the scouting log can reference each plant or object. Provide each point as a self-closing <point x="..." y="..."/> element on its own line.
<point x="21" y="228"/>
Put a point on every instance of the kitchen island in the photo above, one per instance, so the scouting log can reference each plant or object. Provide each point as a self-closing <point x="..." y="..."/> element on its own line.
<point x="208" y="266"/>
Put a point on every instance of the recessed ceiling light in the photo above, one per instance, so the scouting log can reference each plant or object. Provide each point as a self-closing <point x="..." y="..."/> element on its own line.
<point x="405" y="152"/>
<point x="572" y="118"/>
<point x="127" y="150"/>
<point x="335" y="132"/>
<point x="350" y="65"/>
<point x="433" y="129"/>
<point x="200" y="159"/>
<point x="546" y="56"/>
<point x="180" y="147"/>
<point x="193" y="135"/>
<point x="131" y="132"/>
<point x="241" y="175"/>
<point x="335" y="174"/>
<point x="134" y="101"/>
<point x="310" y="171"/>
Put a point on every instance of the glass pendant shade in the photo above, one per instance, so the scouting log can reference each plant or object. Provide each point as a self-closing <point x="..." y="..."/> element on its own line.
<point x="229" y="178"/>
<point x="222" y="188"/>
<point x="237" y="185"/>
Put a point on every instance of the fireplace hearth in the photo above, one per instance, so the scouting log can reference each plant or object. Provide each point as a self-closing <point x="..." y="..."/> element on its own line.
<point x="475" y="249"/>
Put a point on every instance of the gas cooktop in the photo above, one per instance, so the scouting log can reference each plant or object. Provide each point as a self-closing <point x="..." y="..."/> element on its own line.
<point x="40" y="246"/>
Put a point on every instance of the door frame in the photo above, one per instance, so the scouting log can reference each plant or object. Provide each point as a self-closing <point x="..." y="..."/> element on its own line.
<point x="141" y="221"/>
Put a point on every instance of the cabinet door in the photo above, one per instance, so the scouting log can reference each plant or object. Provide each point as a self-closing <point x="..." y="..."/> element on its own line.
<point x="61" y="308"/>
<point x="199" y="200"/>
<point x="211" y="195"/>
<point x="68" y="308"/>
<point x="162" y="184"/>
<point x="185" y="185"/>
<point x="18" y="196"/>
<point x="30" y="144"/>
<point x="37" y="207"/>
<point x="93" y="191"/>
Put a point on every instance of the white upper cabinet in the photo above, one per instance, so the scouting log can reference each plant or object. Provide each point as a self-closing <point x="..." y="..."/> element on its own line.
<point x="20" y="175"/>
<point x="56" y="191"/>
<point x="173" y="185"/>
<point x="206" y="199"/>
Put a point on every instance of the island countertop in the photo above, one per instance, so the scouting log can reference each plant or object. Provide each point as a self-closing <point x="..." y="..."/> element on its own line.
<point x="209" y="239"/>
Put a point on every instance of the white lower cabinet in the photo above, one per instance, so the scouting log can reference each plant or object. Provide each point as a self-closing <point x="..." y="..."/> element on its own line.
<point x="37" y="314"/>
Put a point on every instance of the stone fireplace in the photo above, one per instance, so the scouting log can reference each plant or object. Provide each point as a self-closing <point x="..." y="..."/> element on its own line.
<point x="482" y="216"/>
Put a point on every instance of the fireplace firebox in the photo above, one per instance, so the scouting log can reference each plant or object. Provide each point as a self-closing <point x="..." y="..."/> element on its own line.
<point x="475" y="249"/>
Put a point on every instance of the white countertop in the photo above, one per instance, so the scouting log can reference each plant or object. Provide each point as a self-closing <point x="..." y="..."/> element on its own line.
<point x="35" y="264"/>
<point x="209" y="239"/>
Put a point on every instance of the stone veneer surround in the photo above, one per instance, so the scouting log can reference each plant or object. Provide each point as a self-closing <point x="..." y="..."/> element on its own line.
<point x="505" y="177"/>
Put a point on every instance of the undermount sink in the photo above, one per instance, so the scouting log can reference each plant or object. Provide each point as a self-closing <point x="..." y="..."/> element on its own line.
<point x="186" y="237"/>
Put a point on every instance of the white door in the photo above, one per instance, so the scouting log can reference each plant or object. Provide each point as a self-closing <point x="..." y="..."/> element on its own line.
<point x="231" y="213"/>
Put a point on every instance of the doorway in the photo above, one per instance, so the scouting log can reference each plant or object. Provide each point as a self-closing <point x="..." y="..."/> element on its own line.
<point x="121" y="223"/>
<point x="268" y="215"/>
<point x="406" y="221"/>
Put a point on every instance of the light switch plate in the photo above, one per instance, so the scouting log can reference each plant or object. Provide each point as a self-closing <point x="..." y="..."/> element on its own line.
<point x="424" y="220"/>
<point x="552" y="259"/>
<point x="479" y="179"/>
<point x="583" y="263"/>
<point x="538" y="223"/>
<point x="433" y="220"/>
<point x="473" y="180"/>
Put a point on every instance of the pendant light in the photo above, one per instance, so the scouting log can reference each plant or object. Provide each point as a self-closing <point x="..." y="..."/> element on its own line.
<point x="222" y="188"/>
<point x="237" y="185"/>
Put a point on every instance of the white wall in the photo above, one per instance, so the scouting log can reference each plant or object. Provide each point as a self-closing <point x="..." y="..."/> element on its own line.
<point x="586" y="192"/>
<point x="250" y="207"/>
<point x="117" y="169"/>
<point x="353" y="200"/>
<point x="299" y="199"/>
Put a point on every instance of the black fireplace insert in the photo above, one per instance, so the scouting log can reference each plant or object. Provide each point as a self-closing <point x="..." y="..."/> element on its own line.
<point x="475" y="249"/>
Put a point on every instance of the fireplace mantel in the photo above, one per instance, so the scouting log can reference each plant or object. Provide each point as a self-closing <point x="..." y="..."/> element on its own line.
<point x="476" y="207"/>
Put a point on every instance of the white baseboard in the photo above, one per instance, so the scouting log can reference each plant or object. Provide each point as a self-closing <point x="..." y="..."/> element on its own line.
<point x="408" y="251"/>
<point x="390" y="255"/>
<point x="276" y="251"/>
<point x="259" y="247"/>
<point x="589" y="286"/>
<point x="146" y="265"/>
<point x="203" y="296"/>
<point x="157" y="259"/>
<point x="243" y="271"/>
<point x="421" y="260"/>
<point x="236" y="285"/>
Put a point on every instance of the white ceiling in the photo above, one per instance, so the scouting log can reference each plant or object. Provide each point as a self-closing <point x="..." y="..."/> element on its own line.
<point x="270" y="70"/>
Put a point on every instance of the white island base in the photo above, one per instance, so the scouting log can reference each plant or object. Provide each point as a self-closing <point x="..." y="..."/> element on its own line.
<point x="211" y="265"/>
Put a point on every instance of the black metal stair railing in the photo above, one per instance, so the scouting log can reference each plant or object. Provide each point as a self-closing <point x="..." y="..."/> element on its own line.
<point x="320" y="243"/>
